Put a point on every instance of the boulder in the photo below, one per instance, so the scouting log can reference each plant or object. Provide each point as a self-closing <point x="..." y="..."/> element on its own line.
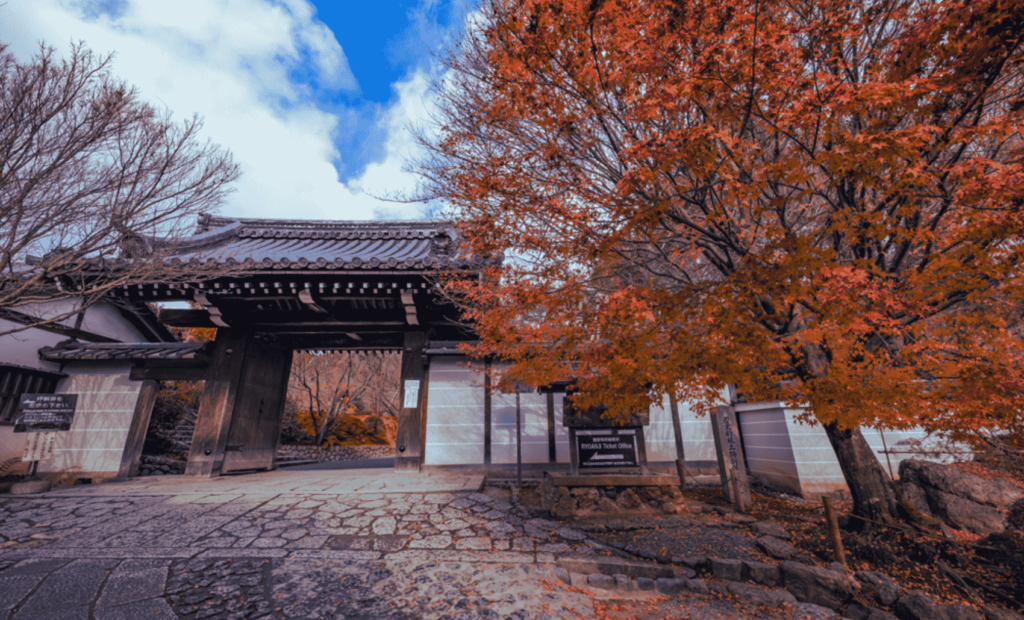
<point x="810" y="611"/>
<point x="776" y="548"/>
<point x="962" y="500"/>
<point x="727" y="569"/>
<point x="964" y="514"/>
<point x="600" y="580"/>
<point x="1000" y="613"/>
<point x="763" y="573"/>
<point x="811" y="584"/>
<point x="996" y="493"/>
<point x="886" y="590"/>
<point x="771" y="528"/>
<point x="916" y="605"/>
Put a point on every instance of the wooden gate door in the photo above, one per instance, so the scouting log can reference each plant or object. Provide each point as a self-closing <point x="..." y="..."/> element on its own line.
<point x="256" y="423"/>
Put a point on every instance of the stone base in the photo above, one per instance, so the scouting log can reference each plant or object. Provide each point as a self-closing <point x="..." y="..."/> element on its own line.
<point x="610" y="496"/>
<point x="30" y="487"/>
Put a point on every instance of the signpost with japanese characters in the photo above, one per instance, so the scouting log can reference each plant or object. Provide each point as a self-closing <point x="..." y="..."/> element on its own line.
<point x="41" y="416"/>
<point x="45" y="412"/>
<point x="731" y="466"/>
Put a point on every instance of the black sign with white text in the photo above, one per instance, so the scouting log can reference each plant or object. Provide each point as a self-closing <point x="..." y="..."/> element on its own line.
<point x="607" y="448"/>
<point x="45" y="412"/>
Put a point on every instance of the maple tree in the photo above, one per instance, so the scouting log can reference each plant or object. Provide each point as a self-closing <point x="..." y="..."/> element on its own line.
<point x="817" y="200"/>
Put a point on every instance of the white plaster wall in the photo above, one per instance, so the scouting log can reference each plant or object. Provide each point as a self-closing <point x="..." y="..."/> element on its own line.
<point x="815" y="458"/>
<point x="661" y="440"/>
<point x="22" y="348"/>
<point x="105" y="320"/>
<point x="106" y="403"/>
<point x="767" y="446"/>
<point x="102" y="319"/>
<point x="534" y="411"/>
<point x="455" y="413"/>
<point x="561" y="433"/>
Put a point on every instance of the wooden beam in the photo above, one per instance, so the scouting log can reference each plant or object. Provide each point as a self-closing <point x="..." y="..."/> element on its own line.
<point x="215" y="313"/>
<point x="169" y="373"/>
<point x="306" y="297"/>
<point x="409" y="301"/>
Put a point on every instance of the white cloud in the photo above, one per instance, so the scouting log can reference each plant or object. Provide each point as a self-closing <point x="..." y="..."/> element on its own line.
<point x="232" y="62"/>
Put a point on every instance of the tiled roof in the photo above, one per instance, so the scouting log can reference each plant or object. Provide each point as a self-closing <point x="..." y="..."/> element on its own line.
<point x="125" y="351"/>
<point x="324" y="244"/>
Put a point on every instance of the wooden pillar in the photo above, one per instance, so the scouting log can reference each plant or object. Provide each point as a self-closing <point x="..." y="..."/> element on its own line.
<point x="413" y="396"/>
<point x="217" y="404"/>
<point x="137" y="430"/>
<point x="487" y="412"/>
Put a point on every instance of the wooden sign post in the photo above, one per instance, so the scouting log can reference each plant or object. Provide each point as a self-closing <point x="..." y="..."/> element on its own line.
<point x="731" y="467"/>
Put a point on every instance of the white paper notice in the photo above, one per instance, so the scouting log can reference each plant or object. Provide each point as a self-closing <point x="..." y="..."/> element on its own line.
<point x="39" y="446"/>
<point x="412" y="394"/>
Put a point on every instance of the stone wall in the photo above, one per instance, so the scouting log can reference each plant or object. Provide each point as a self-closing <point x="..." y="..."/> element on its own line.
<point x="160" y="466"/>
<point x="335" y="453"/>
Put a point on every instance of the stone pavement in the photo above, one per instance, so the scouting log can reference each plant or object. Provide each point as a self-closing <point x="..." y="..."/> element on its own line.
<point x="283" y="545"/>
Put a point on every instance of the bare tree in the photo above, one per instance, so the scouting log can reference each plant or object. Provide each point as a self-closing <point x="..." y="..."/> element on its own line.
<point x="330" y="385"/>
<point x="91" y="177"/>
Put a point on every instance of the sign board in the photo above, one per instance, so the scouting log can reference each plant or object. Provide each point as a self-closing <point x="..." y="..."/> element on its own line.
<point x="412" y="394"/>
<point x="607" y="448"/>
<point x="45" y="412"/>
<point x="39" y="446"/>
<point x="730" y="458"/>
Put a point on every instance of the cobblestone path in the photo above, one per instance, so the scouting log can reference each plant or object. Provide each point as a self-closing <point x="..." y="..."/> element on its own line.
<point x="286" y="555"/>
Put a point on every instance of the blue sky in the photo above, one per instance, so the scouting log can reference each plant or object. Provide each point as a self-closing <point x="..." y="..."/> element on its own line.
<point x="314" y="98"/>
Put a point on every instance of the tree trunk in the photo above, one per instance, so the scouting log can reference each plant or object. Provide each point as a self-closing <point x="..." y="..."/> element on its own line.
<point x="874" y="498"/>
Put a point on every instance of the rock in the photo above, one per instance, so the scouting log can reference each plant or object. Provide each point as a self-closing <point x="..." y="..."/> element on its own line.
<point x="586" y="497"/>
<point x="777" y="548"/>
<point x="729" y="570"/>
<point x="820" y="586"/>
<point x="964" y="514"/>
<point x="600" y="580"/>
<point x="880" y="614"/>
<point x="628" y="500"/>
<point x="760" y="596"/>
<point x="698" y="586"/>
<point x="886" y="590"/>
<point x="770" y="528"/>
<point x="672" y="587"/>
<point x="645" y="585"/>
<point x="916" y="605"/>
<point x="996" y="493"/>
<point x="916" y="496"/>
<point x="688" y="573"/>
<point x="1000" y="613"/>
<point x="624" y="583"/>
<point x="810" y="611"/>
<point x="606" y="505"/>
<point x="763" y="573"/>
<point x="565" y="505"/>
